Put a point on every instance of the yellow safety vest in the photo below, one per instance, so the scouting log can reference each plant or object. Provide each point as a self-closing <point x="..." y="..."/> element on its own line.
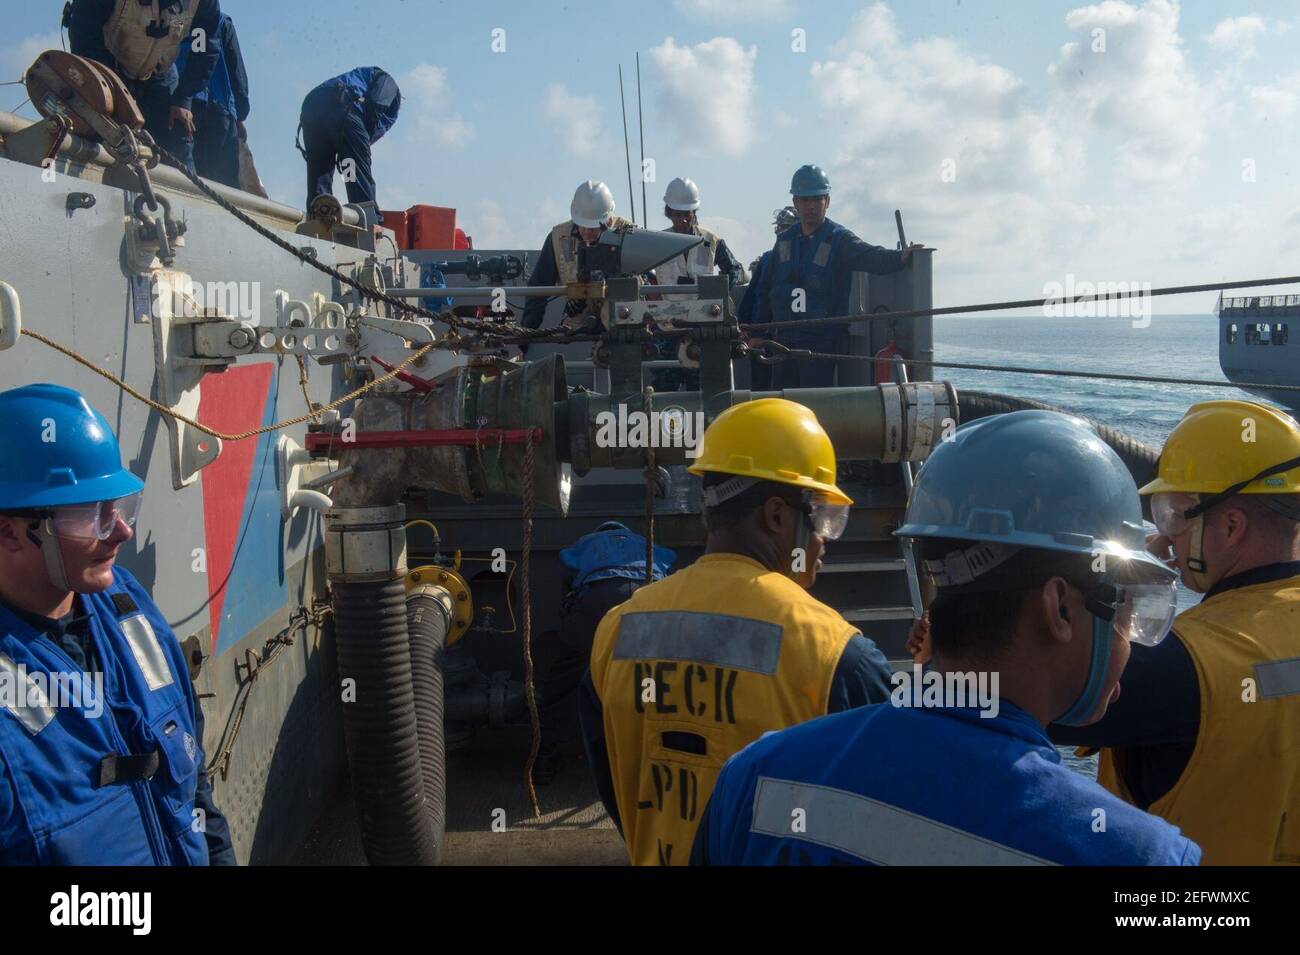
<point x="565" y="240"/>
<point x="1239" y="796"/>
<point x="692" y="669"/>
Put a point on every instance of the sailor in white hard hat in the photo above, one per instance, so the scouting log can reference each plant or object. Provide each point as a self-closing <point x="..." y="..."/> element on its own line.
<point x="681" y="203"/>
<point x="590" y="213"/>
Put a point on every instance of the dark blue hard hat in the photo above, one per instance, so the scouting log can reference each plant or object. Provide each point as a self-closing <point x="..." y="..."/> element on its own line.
<point x="810" y="181"/>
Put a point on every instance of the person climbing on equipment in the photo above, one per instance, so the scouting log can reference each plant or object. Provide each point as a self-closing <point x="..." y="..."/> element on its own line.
<point x="340" y="121"/>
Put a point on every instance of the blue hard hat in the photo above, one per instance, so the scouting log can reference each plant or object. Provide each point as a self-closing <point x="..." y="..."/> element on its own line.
<point x="57" y="450"/>
<point x="1037" y="479"/>
<point x="810" y="181"/>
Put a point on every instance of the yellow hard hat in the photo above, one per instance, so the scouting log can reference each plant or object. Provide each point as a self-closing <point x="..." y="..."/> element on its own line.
<point x="1219" y="444"/>
<point x="771" y="439"/>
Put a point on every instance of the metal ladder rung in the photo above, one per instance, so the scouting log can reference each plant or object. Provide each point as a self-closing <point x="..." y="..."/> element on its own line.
<point x="879" y="613"/>
<point x="854" y="566"/>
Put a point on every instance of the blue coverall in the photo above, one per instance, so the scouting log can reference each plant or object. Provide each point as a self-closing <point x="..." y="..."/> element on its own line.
<point x="219" y="108"/>
<point x="341" y="119"/>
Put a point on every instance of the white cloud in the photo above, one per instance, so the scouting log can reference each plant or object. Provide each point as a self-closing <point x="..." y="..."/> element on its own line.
<point x="493" y="227"/>
<point x="1127" y="75"/>
<point x="1275" y="101"/>
<point x="16" y="58"/>
<point x="576" y="120"/>
<point x="728" y="9"/>
<point x="425" y="115"/>
<point x="706" y="94"/>
<point x="910" y="111"/>
<point x="1236" y="36"/>
<point x="747" y="240"/>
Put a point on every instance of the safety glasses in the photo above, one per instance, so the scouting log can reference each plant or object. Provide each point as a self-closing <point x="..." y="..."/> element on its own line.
<point x="1168" y="512"/>
<point x="94" y="521"/>
<point x="1142" y="613"/>
<point x="828" y="520"/>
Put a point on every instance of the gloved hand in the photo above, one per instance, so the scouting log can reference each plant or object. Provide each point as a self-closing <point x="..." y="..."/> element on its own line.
<point x="574" y="306"/>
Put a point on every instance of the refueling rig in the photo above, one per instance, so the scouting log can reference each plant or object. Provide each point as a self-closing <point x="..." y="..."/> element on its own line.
<point x="338" y="572"/>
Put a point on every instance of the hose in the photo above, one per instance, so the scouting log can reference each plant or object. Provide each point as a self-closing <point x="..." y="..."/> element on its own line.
<point x="428" y="618"/>
<point x="380" y="723"/>
<point x="1141" y="460"/>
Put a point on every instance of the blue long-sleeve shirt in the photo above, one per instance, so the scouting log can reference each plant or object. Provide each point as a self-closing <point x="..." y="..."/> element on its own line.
<point x="86" y="21"/>
<point x="72" y="635"/>
<point x="849" y="254"/>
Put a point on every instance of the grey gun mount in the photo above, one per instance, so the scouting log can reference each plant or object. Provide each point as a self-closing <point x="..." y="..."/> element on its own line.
<point x="634" y="251"/>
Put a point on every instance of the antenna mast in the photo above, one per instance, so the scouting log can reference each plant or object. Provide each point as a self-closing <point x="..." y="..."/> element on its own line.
<point x="627" y="149"/>
<point x="645" y="209"/>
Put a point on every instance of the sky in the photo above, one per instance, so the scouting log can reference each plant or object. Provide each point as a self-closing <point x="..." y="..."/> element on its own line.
<point x="1028" y="141"/>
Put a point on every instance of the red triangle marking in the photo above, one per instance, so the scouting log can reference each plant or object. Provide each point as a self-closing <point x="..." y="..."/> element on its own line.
<point x="232" y="401"/>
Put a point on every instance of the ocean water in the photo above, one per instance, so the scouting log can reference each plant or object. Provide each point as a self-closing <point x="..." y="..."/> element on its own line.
<point x="1182" y="346"/>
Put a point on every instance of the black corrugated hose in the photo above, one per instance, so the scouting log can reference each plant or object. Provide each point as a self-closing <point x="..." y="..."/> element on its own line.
<point x="380" y="724"/>
<point x="428" y="621"/>
<point x="1140" y="459"/>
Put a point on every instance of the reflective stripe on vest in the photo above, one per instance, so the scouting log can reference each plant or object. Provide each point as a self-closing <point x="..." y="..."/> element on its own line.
<point x="715" y="638"/>
<point x="1278" y="679"/>
<point x="1239" y="795"/>
<point x="78" y="800"/>
<point x="34" y="718"/>
<point x="127" y="35"/>
<point x="794" y="273"/>
<point x="869" y="829"/>
<point x="690" y="670"/>
<point x="147" y="651"/>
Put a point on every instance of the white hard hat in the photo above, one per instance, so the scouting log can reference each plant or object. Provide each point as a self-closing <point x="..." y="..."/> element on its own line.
<point x="592" y="205"/>
<point x="682" y="195"/>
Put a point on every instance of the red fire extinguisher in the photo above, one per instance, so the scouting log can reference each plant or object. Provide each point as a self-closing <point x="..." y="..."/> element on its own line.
<point x="884" y="363"/>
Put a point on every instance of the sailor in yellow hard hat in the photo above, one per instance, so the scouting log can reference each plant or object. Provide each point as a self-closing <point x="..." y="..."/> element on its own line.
<point x="1207" y="732"/>
<point x="696" y="666"/>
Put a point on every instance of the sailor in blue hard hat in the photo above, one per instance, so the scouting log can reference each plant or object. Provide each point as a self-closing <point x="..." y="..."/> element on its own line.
<point x="602" y="569"/>
<point x="109" y="769"/>
<point x="1031" y="528"/>
<point x="811" y="276"/>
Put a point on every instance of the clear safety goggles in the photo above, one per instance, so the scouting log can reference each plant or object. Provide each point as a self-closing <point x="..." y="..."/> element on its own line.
<point x="94" y="521"/>
<point x="828" y="520"/>
<point x="1141" y="613"/>
<point x="1168" y="512"/>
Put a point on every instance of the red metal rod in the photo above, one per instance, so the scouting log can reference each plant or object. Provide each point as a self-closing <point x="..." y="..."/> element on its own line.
<point x="466" y="437"/>
<point x="422" y="385"/>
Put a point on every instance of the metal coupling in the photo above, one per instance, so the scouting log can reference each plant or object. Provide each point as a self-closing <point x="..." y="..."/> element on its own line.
<point x="365" y="543"/>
